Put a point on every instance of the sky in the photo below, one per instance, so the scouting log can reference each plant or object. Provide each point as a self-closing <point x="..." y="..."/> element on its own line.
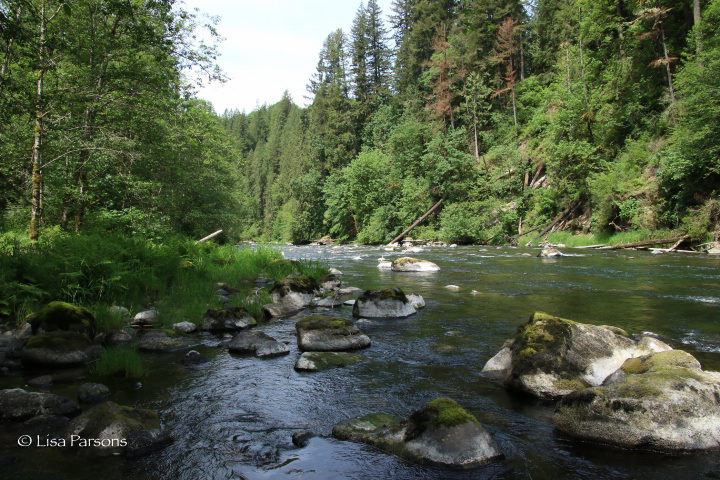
<point x="271" y="46"/>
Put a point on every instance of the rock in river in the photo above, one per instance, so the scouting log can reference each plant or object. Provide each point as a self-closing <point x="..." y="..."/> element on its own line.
<point x="258" y="343"/>
<point x="322" y="333"/>
<point x="390" y="302"/>
<point x="228" y="319"/>
<point x="62" y="316"/>
<point x="296" y="290"/>
<point x="664" y="402"/>
<point x="59" y="349"/>
<point x="157" y="341"/>
<point x="109" y="428"/>
<point x="441" y="434"/>
<point x="18" y="405"/>
<point x="317" y="361"/>
<point x="409" y="264"/>
<point x="551" y="357"/>
<point x="92" y="392"/>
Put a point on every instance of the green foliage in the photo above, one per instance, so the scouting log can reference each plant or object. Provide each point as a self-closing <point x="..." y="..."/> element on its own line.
<point x="120" y="360"/>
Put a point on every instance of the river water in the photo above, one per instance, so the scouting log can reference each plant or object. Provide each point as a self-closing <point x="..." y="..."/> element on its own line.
<point x="234" y="417"/>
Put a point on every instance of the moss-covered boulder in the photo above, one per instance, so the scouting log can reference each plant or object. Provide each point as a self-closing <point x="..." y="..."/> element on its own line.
<point x="62" y="316"/>
<point x="551" y="356"/>
<point x="323" y="333"/>
<point x="228" y="319"/>
<point x="161" y="341"/>
<point x="441" y="434"/>
<point x="259" y="344"/>
<point x="59" y="349"/>
<point x="330" y="282"/>
<point x="387" y="303"/>
<point x="409" y="264"/>
<point x="317" y="361"/>
<point x="295" y="290"/>
<point x="18" y="405"/>
<point x="109" y="429"/>
<point x="668" y="404"/>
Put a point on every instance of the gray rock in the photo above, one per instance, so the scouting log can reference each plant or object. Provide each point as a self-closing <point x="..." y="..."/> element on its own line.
<point x="302" y="438"/>
<point x="430" y="437"/>
<point x="344" y="292"/>
<point x="118" y="310"/>
<point x="184" y="327"/>
<point x="263" y="280"/>
<point x="148" y="317"/>
<point x="330" y="282"/>
<point x="391" y="302"/>
<point x="349" y="302"/>
<point x="322" y="333"/>
<point x="329" y="302"/>
<point x="335" y="271"/>
<point x="59" y="348"/>
<point x="258" y="343"/>
<point x="551" y="357"/>
<point x="23" y="332"/>
<point x="119" y="337"/>
<point x="549" y="252"/>
<point x="119" y="429"/>
<point x="408" y="264"/>
<point x="416" y="301"/>
<point x="92" y="392"/>
<point x="159" y="342"/>
<point x="229" y="319"/>
<point x="193" y="357"/>
<point x="18" y="405"/>
<point x="295" y="290"/>
<point x="281" y="310"/>
<point x="664" y="402"/>
<point x="318" y="361"/>
<point x="41" y="382"/>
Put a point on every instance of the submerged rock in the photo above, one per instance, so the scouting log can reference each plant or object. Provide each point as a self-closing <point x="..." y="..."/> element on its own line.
<point x="549" y="252"/>
<point x="258" y="343"/>
<point x="109" y="429"/>
<point x="390" y="302"/>
<point x="317" y="361"/>
<point x="228" y="319"/>
<point x="92" y="392"/>
<point x="441" y="434"/>
<point x="193" y="357"/>
<point x="159" y="342"/>
<point x="41" y="382"/>
<point x="409" y="264"/>
<point x="551" y="357"/>
<point x="18" y="405"/>
<point x="322" y="333"/>
<point x="663" y="402"/>
<point x="295" y="290"/>
<point x="61" y="316"/>
<point x="329" y="302"/>
<point x="59" y="349"/>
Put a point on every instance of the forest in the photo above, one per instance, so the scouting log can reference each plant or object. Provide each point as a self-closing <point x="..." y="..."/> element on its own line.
<point x="509" y="112"/>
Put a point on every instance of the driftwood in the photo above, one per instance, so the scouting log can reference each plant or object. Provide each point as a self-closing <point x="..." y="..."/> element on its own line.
<point x="212" y="235"/>
<point x="419" y="220"/>
<point x="566" y="213"/>
<point x="647" y="243"/>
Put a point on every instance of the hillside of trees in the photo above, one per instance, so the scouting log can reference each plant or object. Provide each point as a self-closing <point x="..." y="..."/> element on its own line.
<point x="509" y="112"/>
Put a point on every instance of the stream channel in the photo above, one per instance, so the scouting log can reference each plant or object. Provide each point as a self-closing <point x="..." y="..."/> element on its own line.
<point x="234" y="416"/>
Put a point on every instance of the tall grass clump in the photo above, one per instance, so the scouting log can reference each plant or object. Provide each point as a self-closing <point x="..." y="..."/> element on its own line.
<point x="107" y="319"/>
<point x="572" y="239"/>
<point x="123" y="359"/>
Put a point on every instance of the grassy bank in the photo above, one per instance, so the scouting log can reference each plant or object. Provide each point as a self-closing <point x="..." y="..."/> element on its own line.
<point x="176" y="276"/>
<point x="571" y="239"/>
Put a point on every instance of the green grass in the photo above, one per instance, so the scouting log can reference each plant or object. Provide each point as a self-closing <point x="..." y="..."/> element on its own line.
<point x="571" y="239"/>
<point x="107" y="320"/>
<point x="120" y="360"/>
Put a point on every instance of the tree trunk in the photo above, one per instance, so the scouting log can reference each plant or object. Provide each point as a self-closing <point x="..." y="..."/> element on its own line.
<point x="696" y="22"/>
<point x="667" y="63"/>
<point x="427" y="214"/>
<point x="37" y="179"/>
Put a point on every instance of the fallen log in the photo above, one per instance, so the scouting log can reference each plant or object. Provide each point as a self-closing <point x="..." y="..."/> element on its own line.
<point x="419" y="220"/>
<point x="646" y="243"/>
<point x="212" y="235"/>
<point x="567" y="212"/>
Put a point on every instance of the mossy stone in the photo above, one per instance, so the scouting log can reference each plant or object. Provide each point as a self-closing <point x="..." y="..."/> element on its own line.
<point x="405" y="261"/>
<point x="540" y="333"/>
<point x="323" y="322"/>
<point x="386" y="294"/>
<point x="62" y="316"/>
<point x="227" y="312"/>
<point x="443" y="412"/>
<point x="61" y="342"/>
<point x="671" y="358"/>
<point x="295" y="283"/>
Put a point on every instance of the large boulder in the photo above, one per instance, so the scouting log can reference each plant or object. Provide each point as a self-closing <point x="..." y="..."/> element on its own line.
<point x="258" y="343"/>
<point x="18" y="405"/>
<point x="322" y="333"/>
<point x="59" y="349"/>
<point x="551" y="357"/>
<point x="390" y="302"/>
<point x="110" y="429"/>
<point x="295" y="290"/>
<point x="441" y="434"/>
<point x="663" y="402"/>
<point x="281" y="309"/>
<point x="228" y="319"/>
<point x="317" y="361"/>
<point x="62" y="316"/>
<point x="409" y="264"/>
<point x="146" y="318"/>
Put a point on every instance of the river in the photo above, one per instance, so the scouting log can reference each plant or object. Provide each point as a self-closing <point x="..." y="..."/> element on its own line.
<point x="234" y="417"/>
